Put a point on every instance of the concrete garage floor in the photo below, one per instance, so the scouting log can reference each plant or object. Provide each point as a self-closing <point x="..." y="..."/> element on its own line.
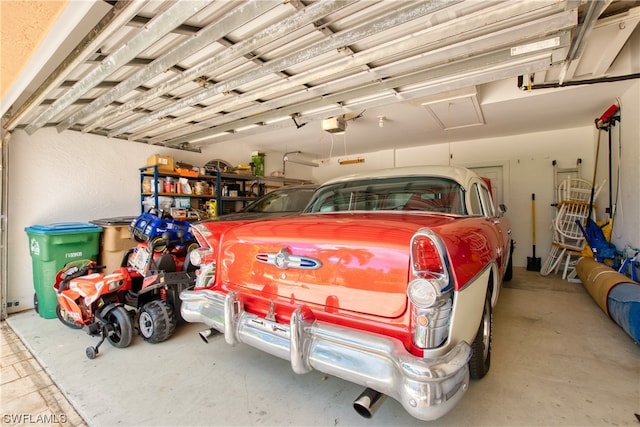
<point x="557" y="360"/>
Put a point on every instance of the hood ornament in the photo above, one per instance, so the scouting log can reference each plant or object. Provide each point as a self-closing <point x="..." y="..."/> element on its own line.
<point x="284" y="260"/>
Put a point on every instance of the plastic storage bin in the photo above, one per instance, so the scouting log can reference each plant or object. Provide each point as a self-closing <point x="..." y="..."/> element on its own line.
<point x="52" y="247"/>
<point x="115" y="240"/>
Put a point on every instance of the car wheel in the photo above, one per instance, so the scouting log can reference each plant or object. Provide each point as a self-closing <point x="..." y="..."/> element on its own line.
<point x="156" y="321"/>
<point x="481" y="347"/>
<point x="64" y="318"/>
<point x="119" y="327"/>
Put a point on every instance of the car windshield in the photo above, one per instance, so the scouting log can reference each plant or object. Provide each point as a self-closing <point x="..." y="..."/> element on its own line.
<point x="287" y="200"/>
<point x="413" y="193"/>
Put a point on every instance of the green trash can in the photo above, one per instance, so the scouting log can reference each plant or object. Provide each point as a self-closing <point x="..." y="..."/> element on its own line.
<point x="52" y="247"/>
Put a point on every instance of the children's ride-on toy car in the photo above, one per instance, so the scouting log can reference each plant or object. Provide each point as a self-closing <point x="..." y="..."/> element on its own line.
<point x="94" y="302"/>
<point x="143" y="293"/>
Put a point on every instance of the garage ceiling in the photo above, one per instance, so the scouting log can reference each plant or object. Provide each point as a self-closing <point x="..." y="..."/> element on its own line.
<point x="186" y="74"/>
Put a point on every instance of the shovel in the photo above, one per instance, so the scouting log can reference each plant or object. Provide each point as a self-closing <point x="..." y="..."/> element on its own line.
<point x="533" y="263"/>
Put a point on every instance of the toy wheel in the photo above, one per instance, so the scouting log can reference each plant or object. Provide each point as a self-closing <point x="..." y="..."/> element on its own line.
<point x="91" y="352"/>
<point x="64" y="318"/>
<point x="158" y="244"/>
<point x="192" y="246"/>
<point x="156" y="321"/>
<point x="481" y="347"/>
<point x="119" y="328"/>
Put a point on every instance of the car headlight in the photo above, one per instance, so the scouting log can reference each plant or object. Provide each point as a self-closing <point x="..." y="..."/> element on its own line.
<point x="115" y="284"/>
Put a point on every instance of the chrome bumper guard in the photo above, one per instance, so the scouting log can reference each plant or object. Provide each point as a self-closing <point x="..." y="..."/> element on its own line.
<point x="426" y="388"/>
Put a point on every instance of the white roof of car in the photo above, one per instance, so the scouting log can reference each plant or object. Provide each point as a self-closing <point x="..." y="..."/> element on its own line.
<point x="456" y="173"/>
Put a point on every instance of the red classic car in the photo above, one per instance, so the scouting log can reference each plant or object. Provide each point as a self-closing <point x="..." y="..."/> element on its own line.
<point x="387" y="280"/>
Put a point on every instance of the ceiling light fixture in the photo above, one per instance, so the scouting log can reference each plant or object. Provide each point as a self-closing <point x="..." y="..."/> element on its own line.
<point x="302" y="162"/>
<point x="286" y="159"/>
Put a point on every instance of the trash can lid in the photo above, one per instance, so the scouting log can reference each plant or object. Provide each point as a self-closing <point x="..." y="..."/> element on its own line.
<point x="63" y="228"/>
<point x="118" y="220"/>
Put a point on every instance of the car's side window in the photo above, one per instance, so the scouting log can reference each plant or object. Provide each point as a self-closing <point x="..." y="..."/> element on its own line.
<point x="476" y="203"/>
<point x="487" y="203"/>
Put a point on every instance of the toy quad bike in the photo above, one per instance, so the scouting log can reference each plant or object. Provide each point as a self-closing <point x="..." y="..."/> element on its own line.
<point x="161" y="274"/>
<point x="95" y="302"/>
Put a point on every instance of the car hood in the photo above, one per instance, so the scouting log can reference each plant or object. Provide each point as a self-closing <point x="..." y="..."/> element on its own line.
<point x="354" y="262"/>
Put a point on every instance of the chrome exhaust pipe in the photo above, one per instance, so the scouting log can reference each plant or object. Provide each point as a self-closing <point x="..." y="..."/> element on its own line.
<point x="207" y="333"/>
<point x="368" y="402"/>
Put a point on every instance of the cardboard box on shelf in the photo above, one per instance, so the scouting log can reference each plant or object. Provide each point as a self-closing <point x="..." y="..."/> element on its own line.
<point x="182" y="202"/>
<point x="165" y="163"/>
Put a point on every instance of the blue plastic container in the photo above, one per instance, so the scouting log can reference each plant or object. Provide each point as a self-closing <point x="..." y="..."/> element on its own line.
<point x="52" y="247"/>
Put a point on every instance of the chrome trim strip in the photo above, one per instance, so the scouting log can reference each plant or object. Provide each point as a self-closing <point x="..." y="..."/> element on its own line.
<point x="426" y="388"/>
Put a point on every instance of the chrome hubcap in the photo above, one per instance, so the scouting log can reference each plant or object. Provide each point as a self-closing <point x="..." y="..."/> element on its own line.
<point x="486" y="330"/>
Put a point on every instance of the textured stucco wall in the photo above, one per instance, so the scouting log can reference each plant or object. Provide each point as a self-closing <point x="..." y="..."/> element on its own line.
<point x="24" y="25"/>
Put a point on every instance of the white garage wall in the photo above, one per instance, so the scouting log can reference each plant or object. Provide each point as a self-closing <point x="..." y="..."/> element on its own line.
<point x="71" y="177"/>
<point x="626" y="159"/>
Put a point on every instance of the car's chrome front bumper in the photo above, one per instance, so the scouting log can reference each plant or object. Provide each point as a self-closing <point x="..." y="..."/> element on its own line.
<point x="427" y="388"/>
